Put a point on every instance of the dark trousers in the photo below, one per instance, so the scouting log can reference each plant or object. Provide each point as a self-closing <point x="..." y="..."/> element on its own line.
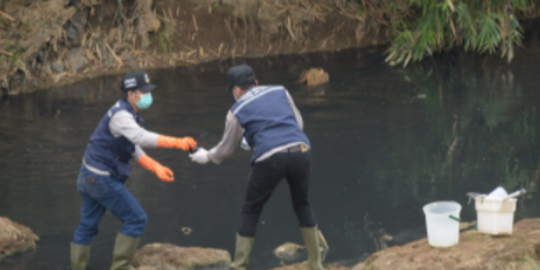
<point x="264" y="177"/>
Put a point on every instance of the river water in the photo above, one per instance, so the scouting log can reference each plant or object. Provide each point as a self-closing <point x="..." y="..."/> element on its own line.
<point x="386" y="141"/>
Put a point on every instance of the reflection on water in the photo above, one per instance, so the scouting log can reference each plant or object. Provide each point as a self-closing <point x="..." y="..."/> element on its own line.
<point x="386" y="141"/>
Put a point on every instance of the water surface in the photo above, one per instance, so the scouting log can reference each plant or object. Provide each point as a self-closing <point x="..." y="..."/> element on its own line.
<point x="386" y="141"/>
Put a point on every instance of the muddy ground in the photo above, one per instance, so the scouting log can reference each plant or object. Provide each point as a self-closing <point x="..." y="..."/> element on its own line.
<point x="54" y="42"/>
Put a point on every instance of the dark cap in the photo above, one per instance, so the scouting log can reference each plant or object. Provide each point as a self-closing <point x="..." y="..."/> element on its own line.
<point x="241" y="76"/>
<point x="137" y="80"/>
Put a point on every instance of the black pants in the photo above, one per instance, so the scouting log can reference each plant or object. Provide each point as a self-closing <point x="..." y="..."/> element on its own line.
<point x="264" y="177"/>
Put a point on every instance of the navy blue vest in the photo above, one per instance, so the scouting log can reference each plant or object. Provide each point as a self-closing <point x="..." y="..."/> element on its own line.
<point x="268" y="119"/>
<point x="107" y="153"/>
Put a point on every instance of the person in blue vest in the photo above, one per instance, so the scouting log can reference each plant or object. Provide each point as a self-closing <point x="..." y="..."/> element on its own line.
<point x="118" y="139"/>
<point x="268" y="119"/>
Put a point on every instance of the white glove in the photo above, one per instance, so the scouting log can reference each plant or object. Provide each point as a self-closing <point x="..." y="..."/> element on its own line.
<point x="244" y="145"/>
<point x="201" y="156"/>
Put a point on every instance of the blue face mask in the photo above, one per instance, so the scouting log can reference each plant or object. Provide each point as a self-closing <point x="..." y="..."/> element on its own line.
<point x="145" y="102"/>
<point x="235" y="99"/>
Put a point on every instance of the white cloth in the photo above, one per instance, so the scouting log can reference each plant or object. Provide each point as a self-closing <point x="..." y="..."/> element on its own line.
<point x="201" y="156"/>
<point x="245" y="145"/>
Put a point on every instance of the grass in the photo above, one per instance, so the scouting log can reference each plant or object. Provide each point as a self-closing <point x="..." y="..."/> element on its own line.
<point x="473" y="236"/>
<point x="528" y="263"/>
<point x="424" y="27"/>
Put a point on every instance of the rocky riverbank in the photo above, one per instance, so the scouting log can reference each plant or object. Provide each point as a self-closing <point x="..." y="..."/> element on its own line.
<point x="474" y="251"/>
<point x="15" y="238"/>
<point x="55" y="42"/>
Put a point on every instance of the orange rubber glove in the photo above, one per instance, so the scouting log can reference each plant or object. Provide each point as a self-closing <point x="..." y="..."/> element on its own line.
<point x="164" y="173"/>
<point x="186" y="143"/>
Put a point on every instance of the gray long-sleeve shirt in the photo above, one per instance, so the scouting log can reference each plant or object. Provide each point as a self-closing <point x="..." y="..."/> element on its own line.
<point x="124" y="124"/>
<point x="233" y="134"/>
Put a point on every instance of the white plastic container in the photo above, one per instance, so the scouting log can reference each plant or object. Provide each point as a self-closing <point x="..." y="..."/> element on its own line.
<point x="443" y="231"/>
<point x="495" y="216"/>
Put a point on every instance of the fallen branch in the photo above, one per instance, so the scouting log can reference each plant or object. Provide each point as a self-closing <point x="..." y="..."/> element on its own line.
<point x="7" y="16"/>
<point x="289" y="28"/>
<point x="6" y="53"/>
<point x="195" y="23"/>
<point x="114" y="55"/>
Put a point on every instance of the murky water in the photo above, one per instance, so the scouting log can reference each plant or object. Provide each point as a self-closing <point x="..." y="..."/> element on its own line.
<point x="386" y="141"/>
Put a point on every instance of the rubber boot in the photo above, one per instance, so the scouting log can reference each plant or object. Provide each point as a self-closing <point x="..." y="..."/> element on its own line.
<point x="311" y="241"/>
<point x="243" y="248"/>
<point x="124" y="248"/>
<point x="80" y="255"/>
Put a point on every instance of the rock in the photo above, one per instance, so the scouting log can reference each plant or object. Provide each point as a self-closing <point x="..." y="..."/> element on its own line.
<point x="474" y="251"/>
<point x="301" y="266"/>
<point x="57" y="66"/>
<point x="145" y="19"/>
<point x="167" y="256"/>
<point x="146" y="268"/>
<point x="314" y="76"/>
<point x="75" y="59"/>
<point x="292" y="252"/>
<point x="73" y="35"/>
<point x="128" y="58"/>
<point x="76" y="28"/>
<point x="15" y="238"/>
<point x="14" y="34"/>
<point x="40" y="57"/>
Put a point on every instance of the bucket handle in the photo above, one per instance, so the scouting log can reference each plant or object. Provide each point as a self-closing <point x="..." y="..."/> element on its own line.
<point x="454" y="218"/>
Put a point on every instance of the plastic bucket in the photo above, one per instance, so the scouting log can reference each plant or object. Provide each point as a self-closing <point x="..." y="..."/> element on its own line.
<point x="442" y="228"/>
<point x="495" y="216"/>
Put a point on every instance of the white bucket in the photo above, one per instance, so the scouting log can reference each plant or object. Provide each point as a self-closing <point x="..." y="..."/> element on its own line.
<point x="495" y="216"/>
<point x="442" y="230"/>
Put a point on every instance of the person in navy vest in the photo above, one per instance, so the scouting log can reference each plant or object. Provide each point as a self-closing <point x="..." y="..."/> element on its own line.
<point x="117" y="140"/>
<point x="268" y="119"/>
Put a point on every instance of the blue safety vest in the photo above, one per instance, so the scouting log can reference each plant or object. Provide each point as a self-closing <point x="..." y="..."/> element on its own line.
<point x="268" y="119"/>
<point x="108" y="153"/>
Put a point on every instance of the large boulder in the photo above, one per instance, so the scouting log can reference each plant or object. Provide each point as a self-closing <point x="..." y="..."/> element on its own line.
<point x="15" y="238"/>
<point x="314" y="76"/>
<point x="302" y="266"/>
<point x="474" y="251"/>
<point x="146" y="268"/>
<point x="76" y="59"/>
<point x="160" y="256"/>
<point x="292" y="253"/>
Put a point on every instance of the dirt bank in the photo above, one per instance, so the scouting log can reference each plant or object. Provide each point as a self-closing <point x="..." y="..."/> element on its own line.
<point x="15" y="238"/>
<point x="54" y="42"/>
<point x="474" y="251"/>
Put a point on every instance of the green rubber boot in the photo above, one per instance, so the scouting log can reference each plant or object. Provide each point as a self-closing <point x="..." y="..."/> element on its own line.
<point x="311" y="241"/>
<point x="124" y="248"/>
<point x="80" y="255"/>
<point x="243" y="248"/>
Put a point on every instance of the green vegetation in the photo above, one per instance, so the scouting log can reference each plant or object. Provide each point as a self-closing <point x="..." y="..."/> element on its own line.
<point x="167" y="32"/>
<point x="424" y="27"/>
